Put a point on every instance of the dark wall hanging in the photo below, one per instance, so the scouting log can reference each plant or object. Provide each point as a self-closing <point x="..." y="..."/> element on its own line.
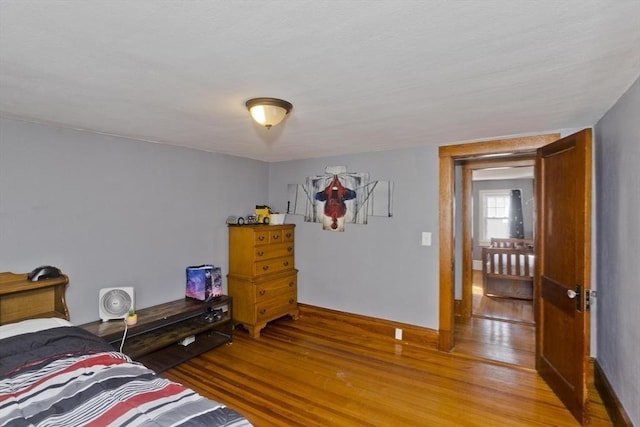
<point x="516" y="223"/>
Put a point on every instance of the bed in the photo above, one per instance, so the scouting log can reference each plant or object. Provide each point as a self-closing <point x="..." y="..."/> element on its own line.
<point x="54" y="373"/>
<point x="508" y="268"/>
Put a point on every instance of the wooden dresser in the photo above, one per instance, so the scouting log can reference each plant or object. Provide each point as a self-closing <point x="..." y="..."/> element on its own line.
<point x="262" y="277"/>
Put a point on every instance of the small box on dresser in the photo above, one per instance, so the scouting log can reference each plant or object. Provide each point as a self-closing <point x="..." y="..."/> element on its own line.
<point x="262" y="277"/>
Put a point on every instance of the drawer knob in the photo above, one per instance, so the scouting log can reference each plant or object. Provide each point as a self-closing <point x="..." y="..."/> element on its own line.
<point x="262" y="292"/>
<point x="291" y="284"/>
<point x="286" y="263"/>
<point x="261" y="238"/>
<point x="265" y="267"/>
<point x="275" y="237"/>
<point x="289" y="249"/>
<point x="288" y="235"/>
<point x="291" y="301"/>
<point x="260" y="253"/>
<point x="263" y="310"/>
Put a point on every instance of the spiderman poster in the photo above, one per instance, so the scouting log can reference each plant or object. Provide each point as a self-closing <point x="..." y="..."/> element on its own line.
<point x="339" y="197"/>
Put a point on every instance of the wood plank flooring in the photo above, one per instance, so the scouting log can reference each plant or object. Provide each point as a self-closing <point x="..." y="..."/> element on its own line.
<point x="499" y="341"/>
<point x="514" y="310"/>
<point x="321" y="370"/>
<point x="501" y="329"/>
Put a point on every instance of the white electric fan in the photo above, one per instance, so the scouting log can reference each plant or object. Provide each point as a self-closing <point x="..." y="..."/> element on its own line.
<point x="115" y="303"/>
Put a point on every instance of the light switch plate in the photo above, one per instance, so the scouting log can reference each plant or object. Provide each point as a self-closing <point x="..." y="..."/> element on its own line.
<point x="426" y="238"/>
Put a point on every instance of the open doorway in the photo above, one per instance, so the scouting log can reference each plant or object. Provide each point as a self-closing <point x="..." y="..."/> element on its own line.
<point x="448" y="155"/>
<point x="562" y="247"/>
<point x="495" y="311"/>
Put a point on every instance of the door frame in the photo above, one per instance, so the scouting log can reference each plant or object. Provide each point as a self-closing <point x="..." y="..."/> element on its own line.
<point x="448" y="155"/>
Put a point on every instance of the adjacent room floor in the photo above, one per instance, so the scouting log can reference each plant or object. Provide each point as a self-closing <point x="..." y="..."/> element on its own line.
<point x="500" y="329"/>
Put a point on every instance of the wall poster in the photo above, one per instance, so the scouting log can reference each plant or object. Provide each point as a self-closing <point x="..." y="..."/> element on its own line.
<point x="338" y="197"/>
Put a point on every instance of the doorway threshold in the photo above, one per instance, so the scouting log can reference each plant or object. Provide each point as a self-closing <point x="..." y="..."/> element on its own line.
<point x="510" y="343"/>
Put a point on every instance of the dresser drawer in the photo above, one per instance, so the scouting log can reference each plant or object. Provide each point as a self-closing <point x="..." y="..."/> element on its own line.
<point x="261" y="237"/>
<point x="273" y="251"/>
<point x="273" y="265"/>
<point x="276" y="288"/>
<point x="287" y="235"/>
<point x="271" y="236"/>
<point x="275" y="237"/>
<point x="275" y="307"/>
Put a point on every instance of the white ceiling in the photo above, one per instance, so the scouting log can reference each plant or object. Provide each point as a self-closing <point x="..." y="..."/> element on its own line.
<point x="362" y="75"/>
<point x="500" y="173"/>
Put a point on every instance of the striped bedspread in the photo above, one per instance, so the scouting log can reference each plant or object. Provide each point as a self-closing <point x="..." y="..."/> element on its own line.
<point x="96" y="388"/>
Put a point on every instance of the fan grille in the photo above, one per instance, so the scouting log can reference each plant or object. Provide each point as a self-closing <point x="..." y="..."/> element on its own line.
<point x="116" y="302"/>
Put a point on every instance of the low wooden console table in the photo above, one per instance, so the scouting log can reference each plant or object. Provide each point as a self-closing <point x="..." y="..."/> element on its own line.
<point x="154" y="339"/>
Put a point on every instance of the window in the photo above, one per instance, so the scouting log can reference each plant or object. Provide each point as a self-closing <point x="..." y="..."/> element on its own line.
<point x="494" y="214"/>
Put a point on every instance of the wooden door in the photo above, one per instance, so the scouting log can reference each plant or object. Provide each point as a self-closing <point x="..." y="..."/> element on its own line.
<point x="563" y="268"/>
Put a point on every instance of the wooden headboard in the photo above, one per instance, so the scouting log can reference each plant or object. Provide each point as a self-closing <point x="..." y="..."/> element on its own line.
<point x="511" y="243"/>
<point x="21" y="299"/>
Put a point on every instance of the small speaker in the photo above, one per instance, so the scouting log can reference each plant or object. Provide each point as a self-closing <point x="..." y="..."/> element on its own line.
<point x="115" y="303"/>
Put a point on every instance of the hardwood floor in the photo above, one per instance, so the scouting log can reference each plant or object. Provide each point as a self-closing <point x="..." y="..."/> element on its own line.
<point x="500" y="329"/>
<point x="499" y="341"/>
<point x="325" y="370"/>
<point x="514" y="310"/>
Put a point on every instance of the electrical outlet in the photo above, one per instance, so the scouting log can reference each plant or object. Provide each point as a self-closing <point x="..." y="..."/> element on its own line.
<point x="398" y="333"/>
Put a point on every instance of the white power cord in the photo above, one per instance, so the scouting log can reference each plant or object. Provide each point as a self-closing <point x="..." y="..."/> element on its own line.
<point x="124" y="334"/>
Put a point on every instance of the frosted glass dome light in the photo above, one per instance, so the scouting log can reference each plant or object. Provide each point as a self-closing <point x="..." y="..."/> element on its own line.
<point x="268" y="111"/>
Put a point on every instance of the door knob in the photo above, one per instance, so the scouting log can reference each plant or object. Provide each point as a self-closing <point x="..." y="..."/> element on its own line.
<point x="571" y="293"/>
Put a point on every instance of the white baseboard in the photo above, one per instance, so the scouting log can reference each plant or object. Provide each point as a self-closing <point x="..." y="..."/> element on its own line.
<point x="477" y="264"/>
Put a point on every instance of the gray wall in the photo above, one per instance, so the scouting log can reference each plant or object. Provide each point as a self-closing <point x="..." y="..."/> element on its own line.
<point x="115" y="212"/>
<point x="379" y="269"/>
<point x="528" y="206"/>
<point x="618" y="247"/>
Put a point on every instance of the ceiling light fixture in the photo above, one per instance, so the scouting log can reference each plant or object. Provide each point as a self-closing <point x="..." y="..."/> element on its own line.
<point x="268" y="111"/>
